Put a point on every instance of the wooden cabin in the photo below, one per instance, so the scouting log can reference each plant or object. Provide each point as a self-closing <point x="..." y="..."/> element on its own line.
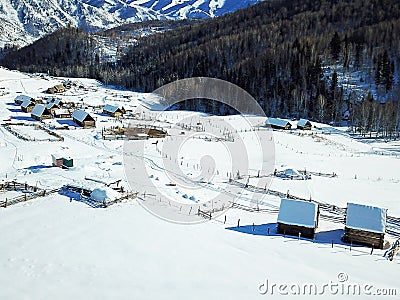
<point x="21" y="98"/>
<point x="298" y="217"/>
<point x="28" y="105"/>
<point x="365" y="225"/>
<point x="83" y="119"/>
<point x="40" y="112"/>
<point x="113" y="110"/>
<point x="276" y="123"/>
<point x="58" y="88"/>
<point x="304" y="124"/>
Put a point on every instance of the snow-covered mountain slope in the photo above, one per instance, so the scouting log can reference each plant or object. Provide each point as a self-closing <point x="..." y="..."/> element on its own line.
<point x="22" y="21"/>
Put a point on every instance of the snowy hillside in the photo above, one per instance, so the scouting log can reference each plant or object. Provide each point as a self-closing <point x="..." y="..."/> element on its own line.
<point x="63" y="246"/>
<point x="21" y="22"/>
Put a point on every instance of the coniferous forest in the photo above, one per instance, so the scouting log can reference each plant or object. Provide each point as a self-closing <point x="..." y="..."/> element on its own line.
<point x="291" y="55"/>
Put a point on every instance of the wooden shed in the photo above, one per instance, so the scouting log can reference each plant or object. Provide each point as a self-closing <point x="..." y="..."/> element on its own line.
<point x="365" y="225"/>
<point x="113" y="110"/>
<point x="40" y="112"/>
<point x="83" y="119"/>
<point x="298" y="217"/>
<point x="304" y="124"/>
<point x="276" y="123"/>
<point x="28" y="105"/>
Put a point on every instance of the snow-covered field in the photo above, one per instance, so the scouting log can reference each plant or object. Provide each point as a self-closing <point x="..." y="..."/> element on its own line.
<point x="57" y="248"/>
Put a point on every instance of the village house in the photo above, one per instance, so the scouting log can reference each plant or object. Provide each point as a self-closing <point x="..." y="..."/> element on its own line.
<point x="113" y="110"/>
<point x="276" y="123"/>
<point x="28" y="105"/>
<point x="59" y="88"/>
<point x="365" y="225"/>
<point x="83" y="119"/>
<point x="298" y="218"/>
<point x="21" y="98"/>
<point x="61" y="113"/>
<point x="40" y="112"/>
<point x="304" y="124"/>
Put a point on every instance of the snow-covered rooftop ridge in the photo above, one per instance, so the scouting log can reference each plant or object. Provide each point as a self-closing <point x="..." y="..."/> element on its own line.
<point x="110" y="108"/>
<point x="80" y="115"/>
<point x="296" y="212"/>
<point x="365" y="217"/>
<point x="302" y="122"/>
<point x="277" y="122"/>
<point x="27" y="102"/>
<point x="23" y="98"/>
<point x="38" y="110"/>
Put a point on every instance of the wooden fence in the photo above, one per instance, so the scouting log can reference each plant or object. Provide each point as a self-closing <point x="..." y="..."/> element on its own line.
<point x="26" y="197"/>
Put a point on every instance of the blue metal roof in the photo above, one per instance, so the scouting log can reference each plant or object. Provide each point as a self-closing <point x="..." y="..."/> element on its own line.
<point x="302" y="122"/>
<point x="277" y="122"/>
<point x="80" y="115"/>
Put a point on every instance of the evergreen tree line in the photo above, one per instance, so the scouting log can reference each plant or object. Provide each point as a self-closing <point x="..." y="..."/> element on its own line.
<point x="278" y="51"/>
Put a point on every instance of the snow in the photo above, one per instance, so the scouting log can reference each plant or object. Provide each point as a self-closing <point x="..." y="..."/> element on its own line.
<point x="300" y="213"/>
<point x="365" y="217"/>
<point x="58" y="247"/>
<point x="22" y="22"/>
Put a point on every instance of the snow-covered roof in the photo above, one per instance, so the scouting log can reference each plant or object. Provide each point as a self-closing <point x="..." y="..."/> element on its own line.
<point x="80" y="115"/>
<point x="277" y="122"/>
<point x="27" y="102"/>
<point x="296" y="212"/>
<point x="39" y="110"/>
<point x="303" y="122"/>
<point x="110" y="108"/>
<point x="22" y="98"/>
<point x="367" y="218"/>
<point x="61" y="111"/>
<point x="51" y="105"/>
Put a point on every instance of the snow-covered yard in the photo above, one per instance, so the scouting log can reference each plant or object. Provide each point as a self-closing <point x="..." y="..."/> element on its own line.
<point x="54" y="247"/>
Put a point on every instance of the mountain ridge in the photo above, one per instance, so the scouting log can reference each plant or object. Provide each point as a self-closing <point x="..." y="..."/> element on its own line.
<point x="23" y="21"/>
